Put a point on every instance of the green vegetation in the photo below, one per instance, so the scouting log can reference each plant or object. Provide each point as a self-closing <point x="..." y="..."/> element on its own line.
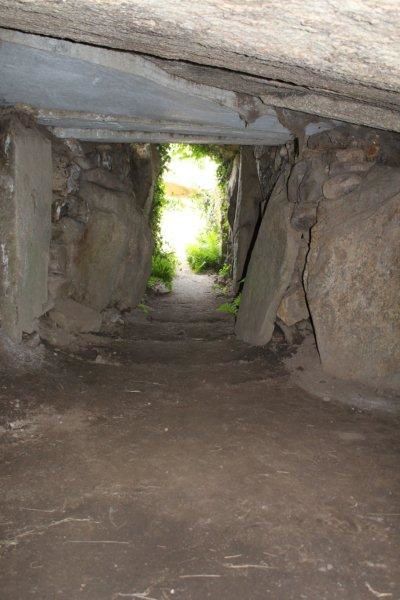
<point x="231" y="307"/>
<point x="159" y="198"/>
<point x="144" y="308"/>
<point x="225" y="271"/>
<point x="164" y="264"/>
<point x="163" y="268"/>
<point x="223" y="156"/>
<point x="205" y="253"/>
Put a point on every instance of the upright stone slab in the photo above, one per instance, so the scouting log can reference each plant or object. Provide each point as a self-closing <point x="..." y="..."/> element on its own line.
<point x="145" y="170"/>
<point x="270" y="270"/>
<point x="352" y="278"/>
<point x="233" y="190"/>
<point x="25" y="225"/>
<point x="113" y="260"/>
<point x="247" y="213"/>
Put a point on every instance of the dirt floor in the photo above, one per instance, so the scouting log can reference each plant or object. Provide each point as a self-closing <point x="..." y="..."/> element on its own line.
<point x="169" y="460"/>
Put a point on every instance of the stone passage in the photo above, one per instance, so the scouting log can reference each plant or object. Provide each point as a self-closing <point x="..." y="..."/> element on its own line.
<point x="314" y="238"/>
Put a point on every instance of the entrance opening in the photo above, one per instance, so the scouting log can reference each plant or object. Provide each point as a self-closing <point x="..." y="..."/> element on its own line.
<point x="190" y="214"/>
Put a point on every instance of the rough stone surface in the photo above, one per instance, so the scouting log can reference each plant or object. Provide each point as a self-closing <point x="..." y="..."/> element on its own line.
<point x="269" y="160"/>
<point x="74" y="317"/>
<point x="233" y="190"/>
<point x="145" y="170"/>
<point x="339" y="185"/>
<point x="293" y="307"/>
<point x="114" y="255"/>
<point x="247" y="214"/>
<point x="55" y="336"/>
<point x="101" y="241"/>
<point x="25" y="225"/>
<point x="107" y="180"/>
<point x="270" y="270"/>
<point x="353" y="278"/>
<point x="363" y="39"/>
<point x="101" y="96"/>
<point x="305" y="190"/>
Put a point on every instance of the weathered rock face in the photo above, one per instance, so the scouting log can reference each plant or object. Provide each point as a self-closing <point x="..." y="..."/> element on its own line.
<point x="114" y="254"/>
<point x="247" y="213"/>
<point x="353" y="275"/>
<point x="25" y="225"/>
<point x="233" y="190"/>
<point x="145" y="170"/>
<point x="270" y="160"/>
<point x="101" y="245"/>
<point x="343" y="203"/>
<point x="74" y="317"/>
<point x="289" y="52"/>
<point x="270" y="270"/>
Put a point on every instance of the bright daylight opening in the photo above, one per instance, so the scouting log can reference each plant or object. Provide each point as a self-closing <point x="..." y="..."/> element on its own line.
<point x="188" y="215"/>
<point x="190" y="187"/>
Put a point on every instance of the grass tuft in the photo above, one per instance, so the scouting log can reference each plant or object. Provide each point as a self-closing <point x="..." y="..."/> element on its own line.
<point x="205" y="253"/>
<point x="231" y="307"/>
<point x="163" y="268"/>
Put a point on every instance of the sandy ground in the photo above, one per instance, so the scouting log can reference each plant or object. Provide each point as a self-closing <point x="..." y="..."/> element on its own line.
<point x="172" y="461"/>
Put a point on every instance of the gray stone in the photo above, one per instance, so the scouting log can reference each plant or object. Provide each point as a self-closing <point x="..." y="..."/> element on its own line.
<point x="65" y="173"/>
<point x="270" y="270"/>
<point x="352" y="279"/>
<point x="324" y="58"/>
<point x="114" y="255"/>
<point x="130" y="98"/>
<point x="64" y="255"/>
<point x="305" y="190"/>
<point x="145" y="170"/>
<point x="74" y="317"/>
<point x="232" y="191"/>
<point x="134" y="271"/>
<point x="340" y="168"/>
<point x="293" y="307"/>
<point x="269" y="162"/>
<point x="107" y="180"/>
<point x="25" y="225"/>
<point x="111" y="316"/>
<point x="55" y="336"/>
<point x="350" y="155"/>
<point x="248" y="208"/>
<point x="339" y="185"/>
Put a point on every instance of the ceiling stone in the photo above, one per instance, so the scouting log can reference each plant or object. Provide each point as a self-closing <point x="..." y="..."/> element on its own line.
<point x="93" y="93"/>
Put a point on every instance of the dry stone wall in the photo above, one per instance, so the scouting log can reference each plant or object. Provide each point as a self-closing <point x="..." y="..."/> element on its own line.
<point x="75" y="237"/>
<point x="101" y="243"/>
<point x="340" y="202"/>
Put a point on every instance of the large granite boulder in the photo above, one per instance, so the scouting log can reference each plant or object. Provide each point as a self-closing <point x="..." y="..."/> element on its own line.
<point x="352" y="277"/>
<point x="270" y="270"/>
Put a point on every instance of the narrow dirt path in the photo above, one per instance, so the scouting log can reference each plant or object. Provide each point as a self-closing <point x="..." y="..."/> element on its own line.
<point x="172" y="461"/>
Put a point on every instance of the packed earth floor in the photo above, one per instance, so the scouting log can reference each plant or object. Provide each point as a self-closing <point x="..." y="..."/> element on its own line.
<point x="169" y="460"/>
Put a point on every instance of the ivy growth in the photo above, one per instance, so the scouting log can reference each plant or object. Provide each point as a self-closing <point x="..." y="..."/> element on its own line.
<point x="159" y="198"/>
